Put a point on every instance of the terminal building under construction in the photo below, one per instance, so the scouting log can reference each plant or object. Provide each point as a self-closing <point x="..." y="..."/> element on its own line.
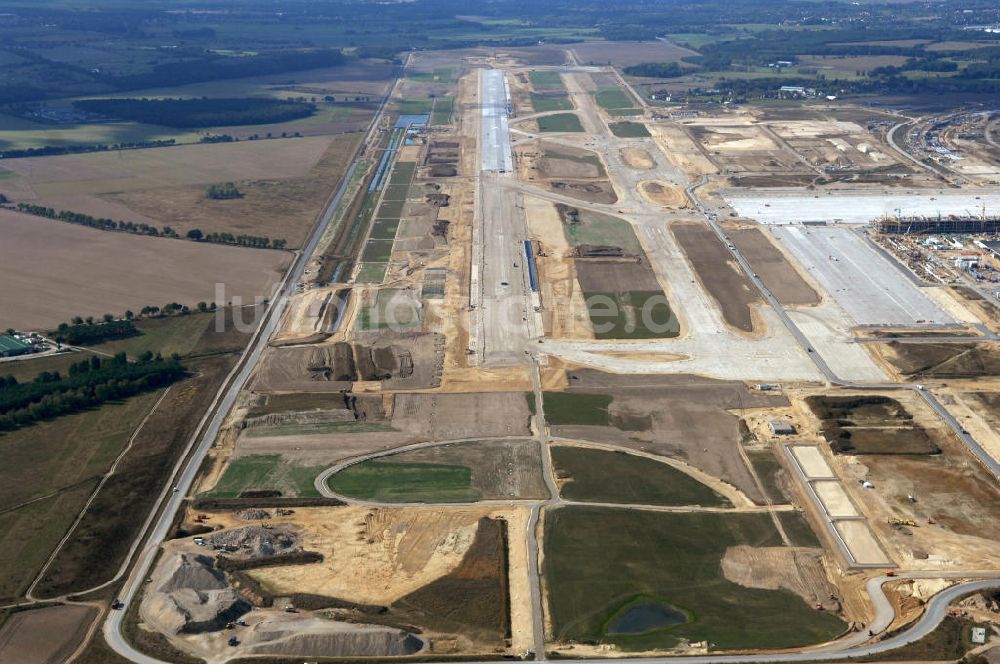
<point x="972" y="224"/>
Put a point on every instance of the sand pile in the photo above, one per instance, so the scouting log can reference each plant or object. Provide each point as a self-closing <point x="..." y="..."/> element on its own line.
<point x="191" y="596"/>
<point x="312" y="637"/>
<point x="256" y="542"/>
<point x="254" y="515"/>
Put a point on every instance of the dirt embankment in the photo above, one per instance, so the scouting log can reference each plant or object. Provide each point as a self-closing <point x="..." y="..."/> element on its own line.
<point x="797" y="569"/>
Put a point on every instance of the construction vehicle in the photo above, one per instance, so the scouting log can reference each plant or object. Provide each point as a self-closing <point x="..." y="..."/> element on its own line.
<point x="233" y="641"/>
<point x="894" y="521"/>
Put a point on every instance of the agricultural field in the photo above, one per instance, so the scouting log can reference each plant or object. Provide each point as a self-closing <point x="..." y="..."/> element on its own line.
<point x="37" y="514"/>
<point x="55" y="265"/>
<point x="668" y="585"/>
<point x="602" y="476"/>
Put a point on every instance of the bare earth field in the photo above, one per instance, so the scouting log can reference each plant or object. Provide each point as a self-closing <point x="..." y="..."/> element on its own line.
<point x="719" y="274"/>
<point x="132" y="170"/>
<point x="44" y="636"/>
<point x="280" y="204"/>
<point x="53" y="270"/>
<point x="774" y="269"/>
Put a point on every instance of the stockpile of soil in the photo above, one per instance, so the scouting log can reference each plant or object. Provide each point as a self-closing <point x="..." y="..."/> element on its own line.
<point x="256" y="541"/>
<point x="253" y="514"/>
<point x="313" y="637"/>
<point x="191" y="596"/>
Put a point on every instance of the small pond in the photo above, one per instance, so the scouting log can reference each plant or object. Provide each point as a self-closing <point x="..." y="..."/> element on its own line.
<point x="644" y="617"/>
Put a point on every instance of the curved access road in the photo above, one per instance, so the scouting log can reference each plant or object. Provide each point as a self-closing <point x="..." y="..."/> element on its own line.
<point x="187" y="467"/>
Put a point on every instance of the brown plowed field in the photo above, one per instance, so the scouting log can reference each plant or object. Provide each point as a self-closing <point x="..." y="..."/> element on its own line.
<point x="773" y="268"/>
<point x="54" y="270"/>
<point x="615" y="276"/>
<point x="719" y="274"/>
<point x="44" y="636"/>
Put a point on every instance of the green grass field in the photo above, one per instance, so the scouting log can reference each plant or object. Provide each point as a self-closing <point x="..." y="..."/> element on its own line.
<point x="575" y="408"/>
<point x="176" y="334"/>
<point x="798" y="530"/>
<point x="372" y="273"/>
<point x="391" y="208"/>
<point x="541" y="80"/>
<point x="551" y="102"/>
<point x="613" y="98"/>
<point x="444" y="109"/>
<point x="415" y="106"/>
<point x="615" y="477"/>
<point x="395" y="192"/>
<point x="631" y="315"/>
<point x="766" y="465"/>
<point x="622" y="112"/>
<point x="402" y="172"/>
<point x="629" y="130"/>
<point x="599" y="561"/>
<point x="598" y="228"/>
<point x="405" y="482"/>
<point x="385" y="229"/>
<point x="377" y="251"/>
<point x="560" y="122"/>
<point x="266" y="472"/>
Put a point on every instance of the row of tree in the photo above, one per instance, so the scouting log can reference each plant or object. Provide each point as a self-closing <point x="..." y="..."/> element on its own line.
<point x="83" y="332"/>
<point x="257" y="241"/>
<point x="89" y="383"/>
<point x="50" y="150"/>
<point x="105" y="224"/>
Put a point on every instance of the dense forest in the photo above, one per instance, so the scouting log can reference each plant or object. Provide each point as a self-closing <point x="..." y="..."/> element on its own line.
<point x="196" y="113"/>
<point x="89" y="383"/>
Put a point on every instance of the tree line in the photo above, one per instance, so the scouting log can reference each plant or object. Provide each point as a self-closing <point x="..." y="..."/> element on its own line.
<point x="91" y="332"/>
<point x="200" y="112"/>
<point x="106" y="224"/>
<point x="89" y="383"/>
<point x="50" y="150"/>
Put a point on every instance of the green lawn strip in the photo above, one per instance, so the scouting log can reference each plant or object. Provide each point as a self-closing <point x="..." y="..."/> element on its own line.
<point x="798" y="530"/>
<point x="414" y="106"/>
<point x="377" y="251"/>
<point x="613" y="98"/>
<point x="600" y="560"/>
<point x="622" y="112"/>
<point x="545" y="80"/>
<point x="270" y="471"/>
<point x="444" y="108"/>
<point x="543" y="103"/>
<point x="391" y="208"/>
<point x="385" y="229"/>
<point x="371" y="273"/>
<point x="616" y="477"/>
<point x="598" y="228"/>
<point x="561" y="122"/>
<point x="575" y="408"/>
<point x="632" y="315"/>
<point x="766" y="465"/>
<point x="629" y="130"/>
<point x="405" y="482"/>
<point x="395" y="192"/>
<point x="402" y="172"/>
